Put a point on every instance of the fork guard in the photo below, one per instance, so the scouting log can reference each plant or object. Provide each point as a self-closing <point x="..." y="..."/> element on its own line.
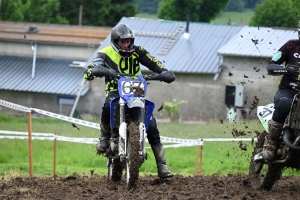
<point x="149" y="110"/>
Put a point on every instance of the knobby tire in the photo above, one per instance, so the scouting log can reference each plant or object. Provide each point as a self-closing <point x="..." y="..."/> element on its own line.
<point x="266" y="177"/>
<point x="133" y="149"/>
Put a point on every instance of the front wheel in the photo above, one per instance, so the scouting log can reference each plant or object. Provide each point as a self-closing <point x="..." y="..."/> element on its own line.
<point x="115" y="169"/>
<point x="132" y="157"/>
<point x="263" y="175"/>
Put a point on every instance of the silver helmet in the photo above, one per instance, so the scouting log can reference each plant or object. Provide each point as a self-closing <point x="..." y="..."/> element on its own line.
<point x="122" y="31"/>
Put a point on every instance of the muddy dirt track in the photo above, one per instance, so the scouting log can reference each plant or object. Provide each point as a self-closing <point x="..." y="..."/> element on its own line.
<point x="148" y="187"/>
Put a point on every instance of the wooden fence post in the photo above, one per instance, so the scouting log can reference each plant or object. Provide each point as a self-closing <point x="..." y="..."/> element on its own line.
<point x="196" y="171"/>
<point x="30" y="144"/>
<point x="196" y="160"/>
<point x="54" y="156"/>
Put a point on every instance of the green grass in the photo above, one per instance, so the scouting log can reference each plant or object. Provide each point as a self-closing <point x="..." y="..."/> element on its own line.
<point x="240" y="18"/>
<point x="218" y="157"/>
<point x="146" y="15"/>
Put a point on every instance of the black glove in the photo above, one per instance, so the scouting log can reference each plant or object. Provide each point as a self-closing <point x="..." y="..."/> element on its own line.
<point x="88" y="75"/>
<point x="100" y="71"/>
<point x="292" y="68"/>
<point x="167" y="76"/>
<point x="163" y="71"/>
<point x="113" y="73"/>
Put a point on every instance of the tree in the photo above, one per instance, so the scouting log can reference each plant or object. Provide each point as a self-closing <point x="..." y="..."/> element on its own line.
<point x="251" y="3"/>
<point x="95" y="12"/>
<point x="149" y="6"/>
<point x="275" y="13"/>
<point x="70" y="10"/>
<point x="236" y="5"/>
<point x="98" y="13"/>
<point x="31" y="11"/>
<point x="201" y="10"/>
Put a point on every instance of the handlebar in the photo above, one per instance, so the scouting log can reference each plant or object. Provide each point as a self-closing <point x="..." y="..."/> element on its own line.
<point x="293" y="68"/>
<point x="166" y="76"/>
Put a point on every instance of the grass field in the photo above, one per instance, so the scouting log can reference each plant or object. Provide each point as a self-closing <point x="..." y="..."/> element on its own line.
<point x="218" y="157"/>
<point x="241" y="18"/>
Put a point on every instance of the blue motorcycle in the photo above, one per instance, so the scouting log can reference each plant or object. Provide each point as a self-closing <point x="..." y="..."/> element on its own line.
<point x="130" y="116"/>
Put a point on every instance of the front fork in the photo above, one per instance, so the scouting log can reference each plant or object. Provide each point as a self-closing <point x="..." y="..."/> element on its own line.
<point x="143" y="134"/>
<point x="123" y="131"/>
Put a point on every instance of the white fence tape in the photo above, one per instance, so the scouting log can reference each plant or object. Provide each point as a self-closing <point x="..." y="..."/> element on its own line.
<point x="25" y="133"/>
<point x="49" y="114"/>
<point x="14" y="106"/>
<point x="69" y="119"/>
<point x="50" y="136"/>
<point x="179" y="142"/>
<point x="26" y="137"/>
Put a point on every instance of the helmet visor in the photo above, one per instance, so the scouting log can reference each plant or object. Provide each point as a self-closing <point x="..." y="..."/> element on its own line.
<point x="126" y="52"/>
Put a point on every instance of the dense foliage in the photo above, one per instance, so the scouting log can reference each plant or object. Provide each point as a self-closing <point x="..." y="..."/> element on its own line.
<point x="241" y="5"/>
<point x="201" y="10"/>
<point x="149" y="6"/>
<point x="274" y="13"/>
<point x="236" y="5"/>
<point x="32" y="11"/>
<point x="94" y="12"/>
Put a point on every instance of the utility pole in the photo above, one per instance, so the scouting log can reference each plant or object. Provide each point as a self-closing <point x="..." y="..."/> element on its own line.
<point x="0" y="5"/>
<point x="80" y="15"/>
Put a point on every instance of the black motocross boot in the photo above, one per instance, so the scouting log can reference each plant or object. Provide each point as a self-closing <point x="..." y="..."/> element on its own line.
<point x="162" y="168"/>
<point x="102" y="144"/>
<point x="271" y="142"/>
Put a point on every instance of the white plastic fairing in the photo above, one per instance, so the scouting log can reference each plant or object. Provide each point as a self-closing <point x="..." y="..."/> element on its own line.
<point x="265" y="114"/>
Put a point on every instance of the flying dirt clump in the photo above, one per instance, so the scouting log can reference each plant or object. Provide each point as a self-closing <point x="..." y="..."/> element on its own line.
<point x="236" y="133"/>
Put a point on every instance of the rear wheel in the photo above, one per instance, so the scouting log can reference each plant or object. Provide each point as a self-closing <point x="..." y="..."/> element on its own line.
<point x="263" y="175"/>
<point x="132" y="157"/>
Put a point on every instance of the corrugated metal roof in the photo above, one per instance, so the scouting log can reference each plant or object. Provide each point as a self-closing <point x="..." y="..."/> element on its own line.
<point x="198" y="54"/>
<point x="52" y="33"/>
<point x="257" y="42"/>
<point x="51" y="75"/>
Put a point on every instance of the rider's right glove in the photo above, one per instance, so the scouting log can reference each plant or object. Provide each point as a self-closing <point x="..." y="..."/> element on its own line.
<point x="88" y="74"/>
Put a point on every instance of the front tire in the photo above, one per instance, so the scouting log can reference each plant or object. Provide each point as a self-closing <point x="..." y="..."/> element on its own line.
<point x="263" y="175"/>
<point x="132" y="157"/>
<point x="115" y="169"/>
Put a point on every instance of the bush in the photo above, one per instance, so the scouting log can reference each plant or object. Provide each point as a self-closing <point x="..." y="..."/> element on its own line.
<point x="172" y="109"/>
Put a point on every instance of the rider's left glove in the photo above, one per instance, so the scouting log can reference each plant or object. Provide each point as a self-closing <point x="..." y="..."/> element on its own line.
<point x="88" y="75"/>
<point x="163" y="71"/>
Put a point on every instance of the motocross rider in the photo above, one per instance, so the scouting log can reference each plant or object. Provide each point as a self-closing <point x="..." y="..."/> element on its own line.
<point x="289" y="86"/>
<point x="122" y="56"/>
